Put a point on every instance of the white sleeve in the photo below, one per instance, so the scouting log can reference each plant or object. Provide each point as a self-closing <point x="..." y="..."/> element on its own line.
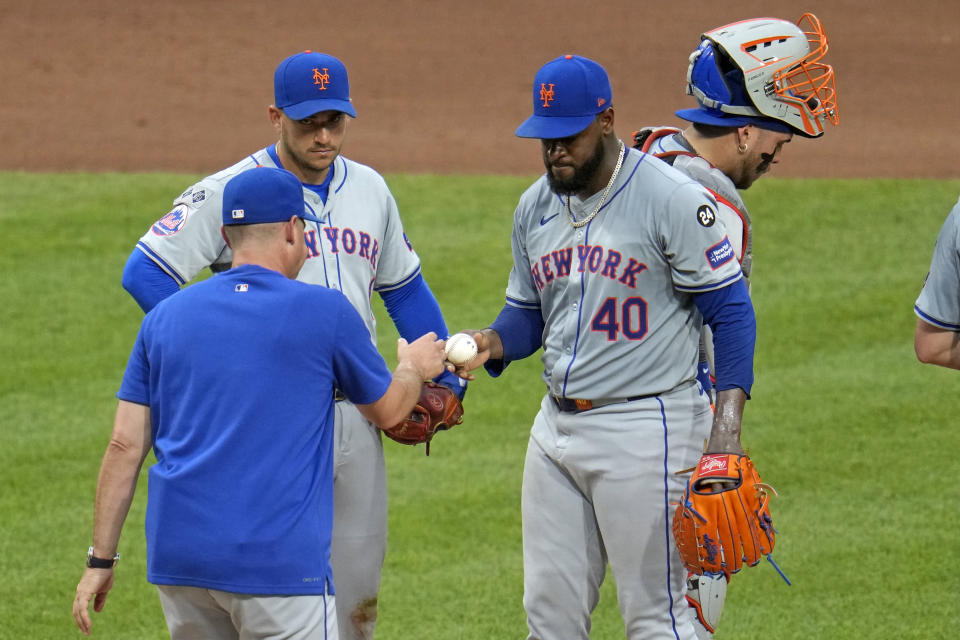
<point x="187" y="239"/>
<point x="398" y="262"/>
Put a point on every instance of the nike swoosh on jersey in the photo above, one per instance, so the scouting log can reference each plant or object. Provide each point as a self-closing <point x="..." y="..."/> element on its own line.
<point x="544" y="221"/>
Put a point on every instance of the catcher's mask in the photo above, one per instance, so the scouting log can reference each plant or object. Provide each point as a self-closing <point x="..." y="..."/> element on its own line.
<point x="762" y="71"/>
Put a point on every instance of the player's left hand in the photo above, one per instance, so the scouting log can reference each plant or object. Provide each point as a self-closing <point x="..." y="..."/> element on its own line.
<point x="724" y="519"/>
<point x="94" y="585"/>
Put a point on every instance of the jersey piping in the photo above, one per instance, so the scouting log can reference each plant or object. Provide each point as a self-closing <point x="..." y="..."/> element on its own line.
<point x="170" y="271"/>
<point x="937" y="323"/>
<point x="583" y="286"/>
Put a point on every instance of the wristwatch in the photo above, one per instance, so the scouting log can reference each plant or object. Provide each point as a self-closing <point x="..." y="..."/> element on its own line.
<point x="101" y="563"/>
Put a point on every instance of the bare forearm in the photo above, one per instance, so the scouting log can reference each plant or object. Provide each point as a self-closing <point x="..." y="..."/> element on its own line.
<point x="400" y="398"/>
<point x="129" y="445"/>
<point x="727" y="417"/>
<point x="116" y="486"/>
<point x="934" y="345"/>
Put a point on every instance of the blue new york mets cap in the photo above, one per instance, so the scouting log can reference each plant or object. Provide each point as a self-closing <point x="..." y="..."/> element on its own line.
<point x="568" y="93"/>
<point x="261" y="195"/>
<point x="310" y="82"/>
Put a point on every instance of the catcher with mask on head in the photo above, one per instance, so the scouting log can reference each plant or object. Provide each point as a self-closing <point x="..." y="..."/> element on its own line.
<point x="757" y="83"/>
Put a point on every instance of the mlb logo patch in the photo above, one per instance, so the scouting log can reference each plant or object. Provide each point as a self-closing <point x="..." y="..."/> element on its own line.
<point x="720" y="254"/>
<point x="237" y="214"/>
<point x="170" y="223"/>
<point x="241" y="288"/>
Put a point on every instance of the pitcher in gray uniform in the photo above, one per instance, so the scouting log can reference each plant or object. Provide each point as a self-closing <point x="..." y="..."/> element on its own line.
<point x="618" y="260"/>
<point x="937" y="339"/>
<point x="358" y="247"/>
<point x="737" y="133"/>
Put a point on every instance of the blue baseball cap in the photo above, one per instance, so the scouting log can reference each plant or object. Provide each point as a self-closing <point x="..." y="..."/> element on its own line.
<point x="308" y="83"/>
<point x="261" y="195"/>
<point x="568" y="93"/>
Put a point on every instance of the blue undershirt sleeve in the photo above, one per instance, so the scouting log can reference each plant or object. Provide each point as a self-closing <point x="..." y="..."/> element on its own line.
<point x="146" y="281"/>
<point x="414" y="311"/>
<point x="729" y="313"/>
<point x="520" y="331"/>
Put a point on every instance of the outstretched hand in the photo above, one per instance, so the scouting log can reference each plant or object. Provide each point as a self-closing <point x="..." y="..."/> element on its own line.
<point x="488" y="347"/>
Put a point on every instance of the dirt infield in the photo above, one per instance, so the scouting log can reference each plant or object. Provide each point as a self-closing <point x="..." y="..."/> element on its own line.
<point x="439" y="86"/>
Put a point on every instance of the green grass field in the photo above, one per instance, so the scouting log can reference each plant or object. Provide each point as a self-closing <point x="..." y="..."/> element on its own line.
<point x="857" y="436"/>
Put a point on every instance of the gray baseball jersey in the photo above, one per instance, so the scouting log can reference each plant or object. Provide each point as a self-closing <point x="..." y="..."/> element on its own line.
<point x="616" y="294"/>
<point x="616" y="297"/>
<point x="939" y="301"/>
<point x="668" y="144"/>
<point x="360" y="248"/>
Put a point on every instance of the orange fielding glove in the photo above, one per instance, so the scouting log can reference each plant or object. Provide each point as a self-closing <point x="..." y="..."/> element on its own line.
<point x="724" y="519"/>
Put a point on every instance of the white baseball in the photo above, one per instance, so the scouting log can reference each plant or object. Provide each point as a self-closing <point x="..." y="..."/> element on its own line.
<point x="460" y="348"/>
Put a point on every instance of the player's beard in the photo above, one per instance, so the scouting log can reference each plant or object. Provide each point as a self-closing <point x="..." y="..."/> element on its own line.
<point x="310" y="169"/>
<point x="307" y="165"/>
<point x="582" y="176"/>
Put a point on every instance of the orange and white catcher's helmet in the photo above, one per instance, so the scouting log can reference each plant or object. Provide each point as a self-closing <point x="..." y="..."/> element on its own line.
<point x="760" y="70"/>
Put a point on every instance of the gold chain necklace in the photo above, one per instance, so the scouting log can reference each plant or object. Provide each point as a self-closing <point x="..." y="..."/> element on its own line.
<point x="603" y="198"/>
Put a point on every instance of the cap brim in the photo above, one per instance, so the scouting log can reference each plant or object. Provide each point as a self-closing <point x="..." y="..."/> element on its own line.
<point x="553" y="127"/>
<point x="310" y="217"/>
<point x="704" y="117"/>
<point x="306" y="109"/>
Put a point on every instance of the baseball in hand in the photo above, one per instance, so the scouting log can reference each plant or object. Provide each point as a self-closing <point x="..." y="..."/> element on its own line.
<point x="460" y="348"/>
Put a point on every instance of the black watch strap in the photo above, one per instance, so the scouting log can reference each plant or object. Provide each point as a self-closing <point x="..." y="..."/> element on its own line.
<point x="101" y="563"/>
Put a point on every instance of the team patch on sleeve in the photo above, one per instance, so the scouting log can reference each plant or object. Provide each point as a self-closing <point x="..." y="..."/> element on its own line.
<point x="720" y="254"/>
<point x="706" y="216"/>
<point x="172" y="222"/>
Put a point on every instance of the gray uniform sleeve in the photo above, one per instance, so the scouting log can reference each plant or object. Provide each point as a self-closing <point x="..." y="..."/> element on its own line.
<point x="939" y="300"/>
<point x="187" y="239"/>
<point x="521" y="289"/>
<point x="695" y="243"/>
<point x="399" y="263"/>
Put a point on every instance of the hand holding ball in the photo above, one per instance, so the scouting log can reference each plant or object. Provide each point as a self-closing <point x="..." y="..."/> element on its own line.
<point x="460" y="349"/>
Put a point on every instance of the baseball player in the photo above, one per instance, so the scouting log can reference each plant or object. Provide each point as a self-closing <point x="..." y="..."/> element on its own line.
<point x="358" y="248"/>
<point x="240" y="505"/>
<point x="738" y="132"/>
<point x="618" y="260"/>
<point x="937" y="338"/>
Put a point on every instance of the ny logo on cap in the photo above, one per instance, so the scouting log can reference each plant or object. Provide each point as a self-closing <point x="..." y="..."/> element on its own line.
<point x="321" y="78"/>
<point x="546" y="94"/>
<point x="237" y="214"/>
